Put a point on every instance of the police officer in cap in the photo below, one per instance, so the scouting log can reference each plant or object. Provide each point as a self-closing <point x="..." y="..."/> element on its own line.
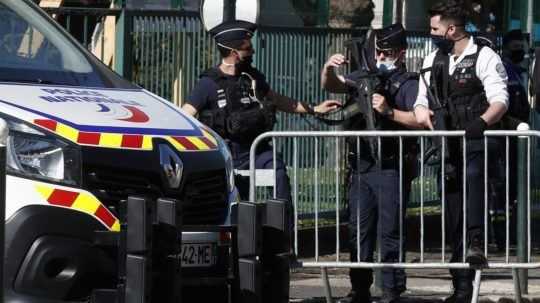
<point x="513" y="56"/>
<point x="235" y="100"/>
<point x="469" y="81"/>
<point x="373" y="197"/>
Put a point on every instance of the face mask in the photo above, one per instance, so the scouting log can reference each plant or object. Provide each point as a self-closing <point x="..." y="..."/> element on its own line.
<point x="244" y="63"/>
<point x="386" y="66"/>
<point x="517" y="56"/>
<point x="445" y="45"/>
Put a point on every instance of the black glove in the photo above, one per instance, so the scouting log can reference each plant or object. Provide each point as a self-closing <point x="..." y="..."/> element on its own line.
<point x="475" y="129"/>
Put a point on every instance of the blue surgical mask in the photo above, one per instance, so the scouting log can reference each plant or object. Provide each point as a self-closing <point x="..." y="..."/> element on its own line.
<point x="386" y="66"/>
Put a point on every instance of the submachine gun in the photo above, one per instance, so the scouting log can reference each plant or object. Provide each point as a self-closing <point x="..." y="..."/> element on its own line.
<point x="366" y="83"/>
<point x="439" y="106"/>
<point x="362" y="51"/>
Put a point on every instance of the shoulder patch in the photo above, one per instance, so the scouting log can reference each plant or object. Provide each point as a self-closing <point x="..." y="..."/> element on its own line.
<point x="501" y="70"/>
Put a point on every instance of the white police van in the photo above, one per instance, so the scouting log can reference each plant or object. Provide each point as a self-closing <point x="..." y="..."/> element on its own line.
<point x="81" y="140"/>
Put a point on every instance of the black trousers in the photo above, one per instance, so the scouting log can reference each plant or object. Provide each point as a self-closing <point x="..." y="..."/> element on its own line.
<point x="475" y="200"/>
<point x="264" y="159"/>
<point x="374" y="211"/>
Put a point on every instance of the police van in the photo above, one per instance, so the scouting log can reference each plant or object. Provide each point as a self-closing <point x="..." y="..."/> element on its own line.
<point x="81" y="141"/>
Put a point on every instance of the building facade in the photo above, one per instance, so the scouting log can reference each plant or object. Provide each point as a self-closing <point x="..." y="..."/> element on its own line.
<point x="493" y="15"/>
<point x="490" y="15"/>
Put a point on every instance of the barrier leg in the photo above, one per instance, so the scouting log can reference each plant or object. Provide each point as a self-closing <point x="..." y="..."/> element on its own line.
<point x="326" y="282"/>
<point x="517" y="286"/>
<point x="477" y="281"/>
<point x="523" y="215"/>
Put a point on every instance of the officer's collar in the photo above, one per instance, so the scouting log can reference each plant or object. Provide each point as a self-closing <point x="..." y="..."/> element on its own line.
<point x="470" y="49"/>
<point x="221" y="74"/>
<point x="395" y="73"/>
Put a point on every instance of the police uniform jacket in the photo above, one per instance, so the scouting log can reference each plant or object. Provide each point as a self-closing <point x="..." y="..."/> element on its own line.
<point x="400" y="90"/>
<point x="489" y="70"/>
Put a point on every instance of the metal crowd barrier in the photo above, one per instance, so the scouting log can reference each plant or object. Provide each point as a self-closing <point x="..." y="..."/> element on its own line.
<point x="518" y="262"/>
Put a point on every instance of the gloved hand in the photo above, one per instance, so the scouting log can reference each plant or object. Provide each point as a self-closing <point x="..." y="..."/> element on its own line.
<point x="475" y="129"/>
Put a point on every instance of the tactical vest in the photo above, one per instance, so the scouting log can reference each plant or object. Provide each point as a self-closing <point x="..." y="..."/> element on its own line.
<point x="388" y="88"/>
<point x="237" y="114"/>
<point x="389" y="146"/>
<point x="391" y="88"/>
<point x="462" y="93"/>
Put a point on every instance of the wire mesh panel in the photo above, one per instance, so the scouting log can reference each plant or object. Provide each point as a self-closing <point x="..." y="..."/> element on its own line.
<point x="170" y="54"/>
<point x="292" y="59"/>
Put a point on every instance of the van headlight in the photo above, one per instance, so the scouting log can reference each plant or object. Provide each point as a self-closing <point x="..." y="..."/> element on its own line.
<point x="37" y="155"/>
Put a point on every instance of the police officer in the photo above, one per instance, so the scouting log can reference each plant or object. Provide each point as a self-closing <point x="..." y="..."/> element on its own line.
<point x="235" y="100"/>
<point x="513" y="56"/>
<point x="374" y="185"/>
<point x="470" y="83"/>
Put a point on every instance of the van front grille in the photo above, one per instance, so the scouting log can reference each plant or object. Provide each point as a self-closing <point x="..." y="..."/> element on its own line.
<point x="203" y="195"/>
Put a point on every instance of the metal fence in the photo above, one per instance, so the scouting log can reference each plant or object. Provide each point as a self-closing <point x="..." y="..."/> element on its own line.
<point x="522" y="255"/>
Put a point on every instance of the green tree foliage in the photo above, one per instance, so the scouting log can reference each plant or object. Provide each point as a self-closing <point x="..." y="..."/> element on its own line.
<point x="351" y="13"/>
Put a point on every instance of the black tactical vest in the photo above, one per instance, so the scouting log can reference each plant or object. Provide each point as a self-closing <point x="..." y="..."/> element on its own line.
<point x="239" y="114"/>
<point x="461" y="93"/>
<point x="388" y="87"/>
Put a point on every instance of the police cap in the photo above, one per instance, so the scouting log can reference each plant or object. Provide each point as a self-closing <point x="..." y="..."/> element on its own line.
<point x="391" y="37"/>
<point x="233" y="31"/>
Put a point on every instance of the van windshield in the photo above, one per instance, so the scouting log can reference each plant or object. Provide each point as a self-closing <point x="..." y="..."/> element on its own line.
<point x="33" y="50"/>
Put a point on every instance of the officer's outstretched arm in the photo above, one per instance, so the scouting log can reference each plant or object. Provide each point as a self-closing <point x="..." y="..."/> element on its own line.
<point x="189" y="109"/>
<point x="331" y="81"/>
<point x="289" y="105"/>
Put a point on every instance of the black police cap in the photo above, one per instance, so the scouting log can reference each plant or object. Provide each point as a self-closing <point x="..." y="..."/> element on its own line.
<point x="391" y="37"/>
<point x="232" y="31"/>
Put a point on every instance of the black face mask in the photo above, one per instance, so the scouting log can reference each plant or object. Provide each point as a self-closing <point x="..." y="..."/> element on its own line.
<point x="517" y="56"/>
<point x="244" y="63"/>
<point x="442" y="43"/>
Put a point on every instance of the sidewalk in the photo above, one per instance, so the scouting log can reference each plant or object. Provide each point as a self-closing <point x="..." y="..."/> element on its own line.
<point x="429" y="285"/>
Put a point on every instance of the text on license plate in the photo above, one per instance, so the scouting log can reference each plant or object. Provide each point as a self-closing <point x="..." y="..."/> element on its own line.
<point x="197" y="255"/>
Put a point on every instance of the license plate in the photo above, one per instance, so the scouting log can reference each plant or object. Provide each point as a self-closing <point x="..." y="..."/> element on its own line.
<point x="197" y="255"/>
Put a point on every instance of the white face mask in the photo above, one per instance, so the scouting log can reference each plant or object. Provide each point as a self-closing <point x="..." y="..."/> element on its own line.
<point x="386" y="66"/>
